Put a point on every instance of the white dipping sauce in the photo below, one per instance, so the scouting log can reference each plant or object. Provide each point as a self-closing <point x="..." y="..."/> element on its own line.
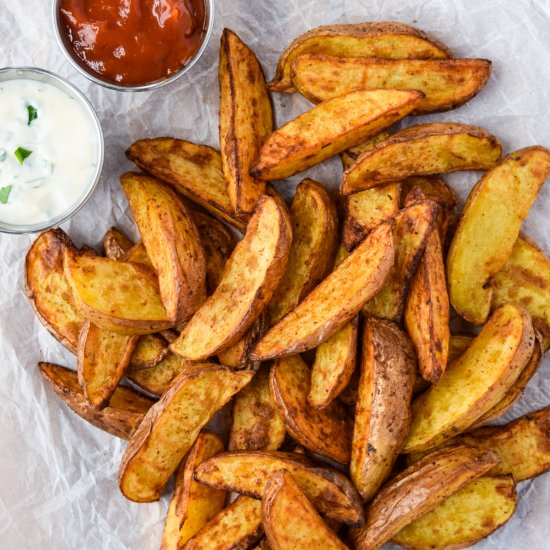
<point x="63" y="162"/>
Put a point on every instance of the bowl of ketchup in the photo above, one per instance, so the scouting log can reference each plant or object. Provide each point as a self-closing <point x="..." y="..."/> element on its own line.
<point x="133" y="45"/>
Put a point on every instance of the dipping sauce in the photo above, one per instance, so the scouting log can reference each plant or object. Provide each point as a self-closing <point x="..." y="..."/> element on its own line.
<point x="134" y="42"/>
<point x="48" y="152"/>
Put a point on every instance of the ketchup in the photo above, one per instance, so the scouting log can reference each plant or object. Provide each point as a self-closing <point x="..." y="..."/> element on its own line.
<point x="134" y="42"/>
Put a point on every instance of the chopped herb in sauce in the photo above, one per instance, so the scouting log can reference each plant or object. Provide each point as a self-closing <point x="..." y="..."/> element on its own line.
<point x="4" y="194"/>
<point x="33" y="114"/>
<point x="21" y="153"/>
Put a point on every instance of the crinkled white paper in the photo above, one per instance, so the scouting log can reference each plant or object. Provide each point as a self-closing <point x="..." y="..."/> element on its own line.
<point x="58" y="475"/>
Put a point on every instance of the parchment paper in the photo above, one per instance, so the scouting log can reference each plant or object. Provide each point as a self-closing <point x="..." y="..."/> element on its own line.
<point x="58" y="487"/>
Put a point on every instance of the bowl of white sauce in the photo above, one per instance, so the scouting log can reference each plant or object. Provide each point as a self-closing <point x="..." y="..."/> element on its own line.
<point x="51" y="150"/>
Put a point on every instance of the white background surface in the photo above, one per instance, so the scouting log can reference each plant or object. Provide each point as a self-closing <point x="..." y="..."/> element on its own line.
<point x="57" y="474"/>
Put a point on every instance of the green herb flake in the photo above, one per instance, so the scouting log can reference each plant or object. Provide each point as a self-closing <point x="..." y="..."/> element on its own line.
<point x="21" y="153"/>
<point x="33" y="114"/>
<point x="4" y="194"/>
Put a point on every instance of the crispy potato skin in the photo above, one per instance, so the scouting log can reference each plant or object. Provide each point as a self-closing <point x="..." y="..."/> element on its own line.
<point x="246" y="121"/>
<point x="330" y="128"/>
<point x="335" y="301"/>
<point x="421" y="150"/>
<point x="121" y="418"/>
<point x="192" y="504"/>
<point x="314" y="238"/>
<point x="172" y="425"/>
<point x="385" y="40"/>
<point x="290" y="520"/>
<point x="465" y="518"/>
<point x="250" y="278"/>
<point x="326" y="432"/>
<point x="102" y="359"/>
<point x="172" y="242"/>
<point x="473" y="384"/>
<point x="411" y="230"/>
<point x="48" y="290"/>
<point x="418" y="490"/>
<point x="247" y="472"/>
<point x="257" y="425"/>
<point x="383" y="409"/>
<point x="236" y="527"/>
<point x="194" y="171"/>
<point x="525" y="278"/>
<point x="489" y="227"/>
<point x="116" y="243"/>
<point x="446" y="84"/>
<point x="151" y="349"/>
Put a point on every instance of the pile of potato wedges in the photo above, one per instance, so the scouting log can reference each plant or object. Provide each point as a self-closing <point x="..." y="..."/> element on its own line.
<point x="358" y="417"/>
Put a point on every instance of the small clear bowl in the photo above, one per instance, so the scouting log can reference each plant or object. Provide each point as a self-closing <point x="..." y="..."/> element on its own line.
<point x="41" y="75"/>
<point x="66" y="46"/>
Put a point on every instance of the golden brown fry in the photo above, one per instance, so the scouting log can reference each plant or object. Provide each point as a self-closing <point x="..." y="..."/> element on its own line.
<point x="433" y="187"/>
<point x="48" y="289"/>
<point x="413" y="226"/>
<point x="474" y="384"/>
<point x="116" y="243"/>
<point x="121" y="418"/>
<point x="236" y="355"/>
<point x="247" y="472"/>
<point x="422" y="150"/>
<point x="418" y="490"/>
<point x="466" y="517"/>
<point x="335" y="301"/>
<point x="446" y="84"/>
<point x="382" y="39"/>
<point x="171" y="427"/>
<point x="350" y="156"/>
<point x="326" y="432"/>
<point x="330" y="128"/>
<point x="457" y="346"/>
<point x="103" y="357"/>
<point x="150" y="351"/>
<point x="383" y="410"/>
<point x="314" y="235"/>
<point x="193" y="170"/>
<point x="138" y="255"/>
<point x="525" y="278"/>
<point x="489" y="227"/>
<point x="172" y="242"/>
<point x="236" y="527"/>
<point x="246" y="121"/>
<point x="290" y="520"/>
<point x="251" y="276"/>
<point x="193" y="504"/>
<point x="257" y="425"/>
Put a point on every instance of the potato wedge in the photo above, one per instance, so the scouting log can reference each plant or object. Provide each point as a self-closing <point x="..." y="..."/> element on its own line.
<point x="350" y="156"/>
<point x="121" y="418"/>
<point x="116" y="243"/>
<point x="326" y="432"/>
<point x="525" y="278"/>
<point x="171" y="427"/>
<point x="314" y="235"/>
<point x="445" y="83"/>
<point x="115" y="295"/>
<point x="489" y="227"/>
<point x="466" y="517"/>
<point x="476" y="381"/>
<point x="237" y="354"/>
<point x="138" y="255"/>
<point x="102" y="359"/>
<point x="434" y="148"/>
<point x="382" y="39"/>
<point x="251" y="276"/>
<point x="330" y="128"/>
<point x="383" y="409"/>
<point x="427" y="311"/>
<point x="418" y="490"/>
<point x="413" y="226"/>
<point x="236" y="527"/>
<point x="193" y="504"/>
<point x="257" y="425"/>
<point x="335" y="301"/>
<point x="172" y="242"/>
<point x="247" y="472"/>
<point x="433" y="187"/>
<point x="150" y="351"/>
<point x="48" y="289"/>
<point x="195" y="171"/>
<point x="457" y="345"/>
<point x="246" y="121"/>
<point x="290" y="520"/>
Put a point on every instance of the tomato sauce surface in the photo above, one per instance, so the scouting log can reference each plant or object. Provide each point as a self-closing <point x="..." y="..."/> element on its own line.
<point x="134" y="42"/>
